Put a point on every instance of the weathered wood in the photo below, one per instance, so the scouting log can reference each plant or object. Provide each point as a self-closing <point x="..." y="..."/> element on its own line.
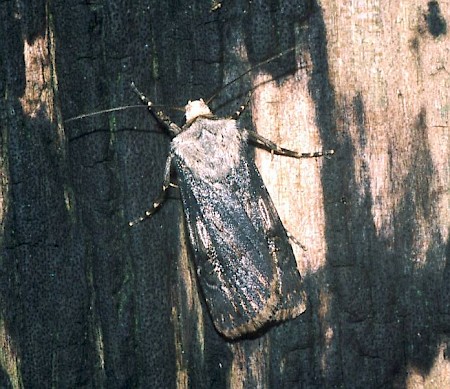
<point x="88" y="302"/>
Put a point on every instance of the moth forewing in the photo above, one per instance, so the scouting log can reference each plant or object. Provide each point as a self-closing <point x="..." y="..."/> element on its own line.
<point x="286" y="114"/>
<point x="244" y="261"/>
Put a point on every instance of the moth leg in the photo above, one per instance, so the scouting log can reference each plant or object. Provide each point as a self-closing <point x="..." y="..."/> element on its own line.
<point x="162" y="119"/>
<point x="274" y="148"/>
<point x="294" y="240"/>
<point x="157" y="203"/>
<point x="242" y="108"/>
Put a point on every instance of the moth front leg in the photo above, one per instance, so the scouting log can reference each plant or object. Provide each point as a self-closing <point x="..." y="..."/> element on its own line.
<point x="242" y="108"/>
<point x="162" y="119"/>
<point x="157" y="203"/>
<point x="274" y="148"/>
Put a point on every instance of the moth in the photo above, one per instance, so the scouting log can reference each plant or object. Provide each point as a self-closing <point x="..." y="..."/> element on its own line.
<point x="243" y="258"/>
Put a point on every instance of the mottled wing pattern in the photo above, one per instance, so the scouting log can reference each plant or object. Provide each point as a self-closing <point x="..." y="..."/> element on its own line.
<point x="245" y="264"/>
<point x="292" y="300"/>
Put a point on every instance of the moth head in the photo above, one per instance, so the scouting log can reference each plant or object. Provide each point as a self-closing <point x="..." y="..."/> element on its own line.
<point x="196" y="108"/>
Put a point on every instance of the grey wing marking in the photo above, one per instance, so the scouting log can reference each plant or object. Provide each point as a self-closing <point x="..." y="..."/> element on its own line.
<point x="240" y="253"/>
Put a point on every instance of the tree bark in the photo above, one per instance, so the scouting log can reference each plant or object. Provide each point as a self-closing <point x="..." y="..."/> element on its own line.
<point x="87" y="301"/>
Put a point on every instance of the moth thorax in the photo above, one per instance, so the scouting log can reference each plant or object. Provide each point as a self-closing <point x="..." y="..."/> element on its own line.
<point x="195" y="109"/>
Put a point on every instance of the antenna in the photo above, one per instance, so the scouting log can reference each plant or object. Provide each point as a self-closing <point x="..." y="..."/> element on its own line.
<point x="279" y="55"/>
<point x="122" y="108"/>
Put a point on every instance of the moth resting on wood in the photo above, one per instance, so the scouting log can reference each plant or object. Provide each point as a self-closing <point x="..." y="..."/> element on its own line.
<point x="244" y="261"/>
